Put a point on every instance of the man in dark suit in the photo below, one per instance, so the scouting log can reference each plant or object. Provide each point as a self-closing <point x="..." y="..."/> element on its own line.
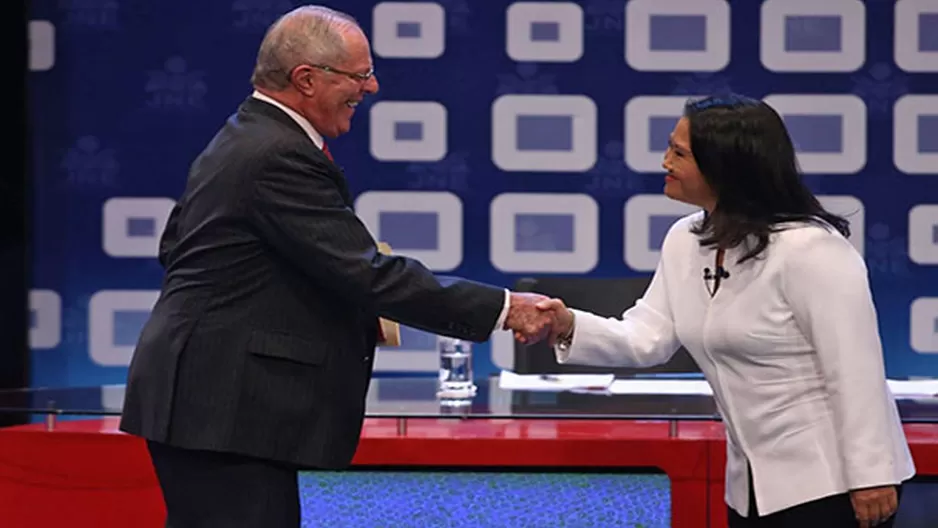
<point x="257" y="357"/>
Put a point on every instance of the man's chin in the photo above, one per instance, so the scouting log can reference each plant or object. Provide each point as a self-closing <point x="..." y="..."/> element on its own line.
<point x="333" y="133"/>
<point x="342" y="127"/>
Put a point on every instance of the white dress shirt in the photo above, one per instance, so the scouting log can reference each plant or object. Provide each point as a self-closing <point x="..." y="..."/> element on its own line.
<point x="790" y="346"/>
<point x="317" y="140"/>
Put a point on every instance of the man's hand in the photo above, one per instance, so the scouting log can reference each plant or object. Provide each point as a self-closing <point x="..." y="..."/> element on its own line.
<point x="529" y="324"/>
<point x="873" y="506"/>
<point x="562" y="319"/>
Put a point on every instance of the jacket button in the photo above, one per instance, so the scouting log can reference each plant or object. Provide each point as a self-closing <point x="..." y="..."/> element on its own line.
<point x="366" y="359"/>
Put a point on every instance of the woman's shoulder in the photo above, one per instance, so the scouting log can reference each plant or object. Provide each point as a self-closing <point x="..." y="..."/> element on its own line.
<point x="804" y="235"/>
<point x="684" y="224"/>
<point x="680" y="231"/>
<point x="680" y="241"/>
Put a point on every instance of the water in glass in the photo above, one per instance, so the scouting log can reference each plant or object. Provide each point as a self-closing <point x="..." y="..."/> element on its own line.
<point x="456" y="379"/>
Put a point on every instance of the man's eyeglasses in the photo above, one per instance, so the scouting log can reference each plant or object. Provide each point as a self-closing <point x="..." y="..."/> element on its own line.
<point x="359" y="77"/>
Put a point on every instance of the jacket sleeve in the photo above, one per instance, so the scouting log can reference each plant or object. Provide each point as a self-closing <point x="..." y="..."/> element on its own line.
<point x="643" y="337"/>
<point x="298" y="209"/>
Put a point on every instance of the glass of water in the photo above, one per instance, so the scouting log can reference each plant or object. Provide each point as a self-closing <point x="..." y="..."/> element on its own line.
<point x="456" y="381"/>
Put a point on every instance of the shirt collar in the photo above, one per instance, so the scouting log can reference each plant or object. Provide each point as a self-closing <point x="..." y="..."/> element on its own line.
<point x="316" y="137"/>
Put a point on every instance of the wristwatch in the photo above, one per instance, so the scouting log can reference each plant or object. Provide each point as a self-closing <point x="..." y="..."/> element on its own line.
<point x="564" y="341"/>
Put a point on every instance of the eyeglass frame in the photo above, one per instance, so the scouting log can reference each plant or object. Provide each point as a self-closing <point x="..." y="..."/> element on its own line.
<point x="359" y="77"/>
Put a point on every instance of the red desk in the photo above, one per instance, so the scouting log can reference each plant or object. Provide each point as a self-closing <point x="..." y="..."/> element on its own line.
<point x="86" y="473"/>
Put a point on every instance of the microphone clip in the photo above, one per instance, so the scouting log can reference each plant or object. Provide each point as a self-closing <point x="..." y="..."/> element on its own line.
<point x="720" y="274"/>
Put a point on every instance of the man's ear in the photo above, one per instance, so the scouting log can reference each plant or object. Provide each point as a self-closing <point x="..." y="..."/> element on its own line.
<point x="303" y="80"/>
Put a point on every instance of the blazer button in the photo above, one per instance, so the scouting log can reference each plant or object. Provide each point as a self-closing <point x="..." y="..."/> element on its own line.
<point x="366" y="359"/>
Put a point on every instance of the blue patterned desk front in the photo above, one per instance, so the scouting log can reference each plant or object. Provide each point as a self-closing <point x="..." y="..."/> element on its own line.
<point x="416" y="499"/>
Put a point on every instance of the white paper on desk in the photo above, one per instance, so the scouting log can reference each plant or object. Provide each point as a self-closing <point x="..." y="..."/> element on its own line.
<point x="899" y="388"/>
<point x="925" y="388"/>
<point x="660" y="386"/>
<point x="553" y="382"/>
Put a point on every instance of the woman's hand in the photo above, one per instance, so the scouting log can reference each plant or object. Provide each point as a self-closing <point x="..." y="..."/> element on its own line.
<point x="873" y="506"/>
<point x="562" y="319"/>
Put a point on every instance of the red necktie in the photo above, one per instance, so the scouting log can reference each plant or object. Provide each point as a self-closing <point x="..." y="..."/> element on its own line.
<point x="325" y="150"/>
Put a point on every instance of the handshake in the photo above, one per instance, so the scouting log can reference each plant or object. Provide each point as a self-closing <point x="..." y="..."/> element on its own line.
<point x="533" y="318"/>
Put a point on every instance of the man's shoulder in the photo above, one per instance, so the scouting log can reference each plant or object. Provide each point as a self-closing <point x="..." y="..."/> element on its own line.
<point x="250" y="136"/>
<point x="266" y="129"/>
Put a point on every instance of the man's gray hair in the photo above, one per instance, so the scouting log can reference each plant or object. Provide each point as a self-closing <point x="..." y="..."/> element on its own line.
<point x="307" y="35"/>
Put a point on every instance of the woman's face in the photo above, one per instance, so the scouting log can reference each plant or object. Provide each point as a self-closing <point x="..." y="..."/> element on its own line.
<point x="683" y="181"/>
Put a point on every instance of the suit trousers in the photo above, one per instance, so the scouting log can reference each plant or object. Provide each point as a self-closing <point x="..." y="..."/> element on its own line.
<point x="835" y="511"/>
<point x="204" y="489"/>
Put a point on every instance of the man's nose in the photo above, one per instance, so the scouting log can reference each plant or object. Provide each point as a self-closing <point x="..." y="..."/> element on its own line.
<point x="372" y="85"/>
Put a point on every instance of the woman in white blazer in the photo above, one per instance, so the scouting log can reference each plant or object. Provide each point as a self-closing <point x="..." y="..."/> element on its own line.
<point x="764" y="290"/>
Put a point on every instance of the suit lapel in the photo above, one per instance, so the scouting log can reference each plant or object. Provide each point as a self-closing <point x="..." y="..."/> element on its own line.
<point x="343" y="185"/>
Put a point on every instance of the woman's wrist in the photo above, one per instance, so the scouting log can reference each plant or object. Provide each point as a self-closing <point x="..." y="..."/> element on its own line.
<point x="566" y="338"/>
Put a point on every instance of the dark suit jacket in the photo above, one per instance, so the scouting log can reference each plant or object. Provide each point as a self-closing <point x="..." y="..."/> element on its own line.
<point x="262" y="340"/>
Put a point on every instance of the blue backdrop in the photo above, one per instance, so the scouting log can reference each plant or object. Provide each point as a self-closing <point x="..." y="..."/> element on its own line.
<point x="508" y="139"/>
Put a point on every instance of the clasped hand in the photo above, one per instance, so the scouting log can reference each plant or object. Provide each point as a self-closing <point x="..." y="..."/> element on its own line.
<point x="533" y="317"/>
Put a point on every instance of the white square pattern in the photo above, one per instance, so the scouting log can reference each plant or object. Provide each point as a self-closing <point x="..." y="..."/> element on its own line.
<point x="407" y="131"/>
<point x="132" y="227"/>
<point x="41" y="45"/>
<point x="447" y="207"/>
<point x="549" y="133"/>
<point x="711" y="53"/>
<point x="923" y="234"/>
<point x="544" y="31"/>
<point x="848" y="18"/>
<point x="923" y="325"/>
<point x="638" y="214"/>
<point x="909" y="56"/>
<point x="640" y="154"/>
<point x="642" y="212"/>
<point x="406" y="360"/>
<point x="850" y="157"/>
<point x="578" y="216"/>
<point x="103" y="310"/>
<point x="907" y="114"/>
<point x="503" y="349"/>
<point x="851" y="208"/>
<point x="45" y="308"/>
<point x="413" y="30"/>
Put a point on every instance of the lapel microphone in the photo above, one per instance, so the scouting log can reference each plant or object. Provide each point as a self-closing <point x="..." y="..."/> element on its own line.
<point x="721" y="274"/>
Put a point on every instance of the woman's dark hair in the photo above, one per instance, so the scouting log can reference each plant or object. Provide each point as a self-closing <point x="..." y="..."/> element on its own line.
<point x="746" y="156"/>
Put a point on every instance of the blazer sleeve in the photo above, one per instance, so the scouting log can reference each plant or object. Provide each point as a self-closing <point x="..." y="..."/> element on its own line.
<point x="825" y="282"/>
<point x="643" y="337"/>
<point x="299" y="210"/>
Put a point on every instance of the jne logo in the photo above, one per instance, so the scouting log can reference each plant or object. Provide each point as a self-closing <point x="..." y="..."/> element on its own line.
<point x="448" y="174"/>
<point x="98" y="14"/>
<point x="880" y="86"/>
<point x="604" y="16"/>
<point x="258" y="14"/>
<point x="526" y="80"/>
<point x="87" y="164"/>
<point x="458" y="15"/>
<point x="610" y="177"/>
<point x="175" y="86"/>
